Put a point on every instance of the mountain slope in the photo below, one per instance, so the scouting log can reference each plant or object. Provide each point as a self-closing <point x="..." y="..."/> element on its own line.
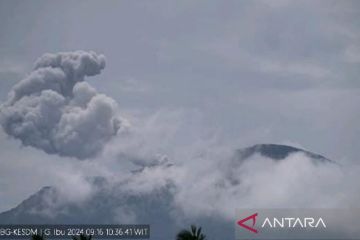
<point x="115" y="204"/>
<point x="276" y="152"/>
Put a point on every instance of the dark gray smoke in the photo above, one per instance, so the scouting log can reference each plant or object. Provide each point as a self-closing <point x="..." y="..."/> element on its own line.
<point x="53" y="109"/>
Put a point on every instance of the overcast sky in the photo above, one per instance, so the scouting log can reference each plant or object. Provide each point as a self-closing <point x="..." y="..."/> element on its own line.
<point x="251" y="71"/>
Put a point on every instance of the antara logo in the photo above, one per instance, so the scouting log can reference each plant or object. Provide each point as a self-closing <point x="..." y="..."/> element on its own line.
<point x="284" y="222"/>
<point x="242" y="223"/>
<point x="291" y="222"/>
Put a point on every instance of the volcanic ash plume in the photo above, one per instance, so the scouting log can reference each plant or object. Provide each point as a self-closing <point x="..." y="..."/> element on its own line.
<point x="53" y="109"/>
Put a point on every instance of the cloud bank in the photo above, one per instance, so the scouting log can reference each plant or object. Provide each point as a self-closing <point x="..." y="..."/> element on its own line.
<point x="207" y="180"/>
<point x="55" y="110"/>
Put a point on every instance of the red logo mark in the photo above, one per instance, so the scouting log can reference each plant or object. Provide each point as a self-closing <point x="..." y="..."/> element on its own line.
<point x="253" y="217"/>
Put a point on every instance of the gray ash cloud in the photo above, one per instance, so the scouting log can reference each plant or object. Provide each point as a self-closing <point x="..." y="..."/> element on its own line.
<point x="55" y="110"/>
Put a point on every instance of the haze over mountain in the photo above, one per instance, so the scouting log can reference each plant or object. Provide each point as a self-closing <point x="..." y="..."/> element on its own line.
<point x="133" y="111"/>
<point x="115" y="203"/>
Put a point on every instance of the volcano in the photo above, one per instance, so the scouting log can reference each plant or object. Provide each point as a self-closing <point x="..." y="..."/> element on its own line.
<point x="109" y="204"/>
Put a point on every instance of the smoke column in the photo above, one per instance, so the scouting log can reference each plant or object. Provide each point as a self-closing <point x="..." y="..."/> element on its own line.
<point x="55" y="110"/>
